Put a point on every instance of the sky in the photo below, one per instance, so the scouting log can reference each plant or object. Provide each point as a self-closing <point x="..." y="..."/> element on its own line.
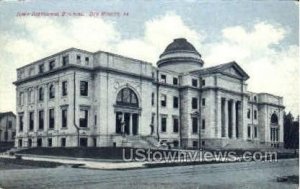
<point x="261" y="36"/>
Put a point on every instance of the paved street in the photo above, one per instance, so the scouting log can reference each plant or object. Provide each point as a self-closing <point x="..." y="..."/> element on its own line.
<point x="230" y="175"/>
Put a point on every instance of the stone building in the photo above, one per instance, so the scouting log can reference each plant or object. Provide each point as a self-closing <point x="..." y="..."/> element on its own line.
<point x="81" y="98"/>
<point x="7" y="127"/>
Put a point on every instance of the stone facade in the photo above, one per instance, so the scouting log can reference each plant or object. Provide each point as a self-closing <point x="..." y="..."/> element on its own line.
<point x="7" y="127"/>
<point x="80" y="98"/>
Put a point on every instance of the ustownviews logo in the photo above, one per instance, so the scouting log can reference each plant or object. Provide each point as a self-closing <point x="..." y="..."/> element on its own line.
<point x="151" y="155"/>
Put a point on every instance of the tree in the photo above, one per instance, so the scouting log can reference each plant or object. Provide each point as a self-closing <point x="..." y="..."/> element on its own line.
<point x="291" y="131"/>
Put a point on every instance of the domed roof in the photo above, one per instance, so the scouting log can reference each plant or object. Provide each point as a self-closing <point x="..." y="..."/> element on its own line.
<point x="180" y="44"/>
<point x="180" y="56"/>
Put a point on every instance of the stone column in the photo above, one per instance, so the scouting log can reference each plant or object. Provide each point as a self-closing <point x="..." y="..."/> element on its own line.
<point x="226" y="117"/>
<point x="239" y="119"/>
<point x="233" y="120"/>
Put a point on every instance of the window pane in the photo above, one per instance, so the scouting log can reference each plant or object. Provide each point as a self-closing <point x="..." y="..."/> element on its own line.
<point x="133" y="98"/>
<point x="195" y="124"/>
<point x="126" y="96"/>
<point x="83" y="88"/>
<point x="83" y="118"/>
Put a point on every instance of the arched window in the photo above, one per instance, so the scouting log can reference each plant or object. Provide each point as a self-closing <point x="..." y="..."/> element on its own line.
<point x="51" y="91"/>
<point x="127" y="97"/>
<point x="274" y="119"/>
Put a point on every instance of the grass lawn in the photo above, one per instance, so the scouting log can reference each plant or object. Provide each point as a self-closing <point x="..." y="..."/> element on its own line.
<point x="83" y="152"/>
<point x="112" y="153"/>
<point x="7" y="163"/>
<point x="4" y="146"/>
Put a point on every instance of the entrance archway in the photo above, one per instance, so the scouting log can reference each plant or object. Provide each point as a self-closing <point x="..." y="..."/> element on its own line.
<point x="127" y="112"/>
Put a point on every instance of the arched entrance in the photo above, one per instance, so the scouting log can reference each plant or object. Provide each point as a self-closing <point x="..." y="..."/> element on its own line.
<point x="127" y="112"/>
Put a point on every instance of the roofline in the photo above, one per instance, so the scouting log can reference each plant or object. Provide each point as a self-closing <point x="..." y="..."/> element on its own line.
<point x="216" y="69"/>
<point x="264" y="93"/>
<point x="85" y="51"/>
<point x="53" y="55"/>
<point x="122" y="56"/>
<point x="9" y="113"/>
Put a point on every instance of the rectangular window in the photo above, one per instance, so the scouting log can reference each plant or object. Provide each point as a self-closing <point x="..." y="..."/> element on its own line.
<point x="64" y="118"/>
<point x="41" y="68"/>
<point x="203" y="82"/>
<point x="83" y="120"/>
<point x="255" y="114"/>
<point x="65" y="60"/>
<point x="41" y="120"/>
<point x="194" y="103"/>
<point x="5" y="135"/>
<point x="51" y="65"/>
<point x="64" y="88"/>
<point x="203" y="123"/>
<point x="152" y="99"/>
<point x="41" y="94"/>
<point x="83" y="142"/>
<point x="51" y="119"/>
<point x="63" y="142"/>
<point x="203" y="143"/>
<point x="78" y="59"/>
<point x="31" y="121"/>
<point x="13" y="134"/>
<point x="87" y="60"/>
<point x="83" y="88"/>
<point x="175" y="102"/>
<point x="175" y="143"/>
<point x="255" y="132"/>
<point x="195" y="125"/>
<point x="49" y="142"/>
<point x="203" y="101"/>
<point x="39" y="142"/>
<point x="249" y="132"/>
<point x="163" y="124"/>
<point x="163" y="100"/>
<point x="29" y="143"/>
<point x="163" y="78"/>
<point x="9" y="124"/>
<point x="175" y="125"/>
<point x="248" y="113"/>
<point x="21" y="123"/>
<point x="94" y="142"/>
<point x="175" y="81"/>
<point x="20" y="143"/>
<point x="195" y="144"/>
<point x="195" y="82"/>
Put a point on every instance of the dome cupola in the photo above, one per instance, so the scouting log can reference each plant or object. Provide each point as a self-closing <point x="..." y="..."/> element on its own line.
<point x="180" y="56"/>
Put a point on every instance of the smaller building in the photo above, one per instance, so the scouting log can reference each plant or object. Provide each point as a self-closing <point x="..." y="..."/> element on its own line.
<point x="7" y="127"/>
